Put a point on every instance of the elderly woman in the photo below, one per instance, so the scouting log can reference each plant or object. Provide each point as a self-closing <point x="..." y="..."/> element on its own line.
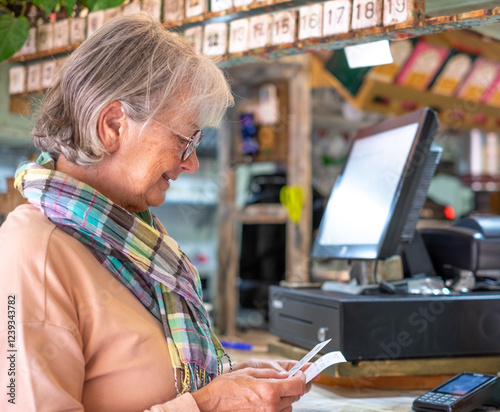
<point x="106" y="309"/>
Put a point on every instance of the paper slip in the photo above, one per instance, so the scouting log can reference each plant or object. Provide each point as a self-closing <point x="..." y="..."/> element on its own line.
<point x="322" y="363"/>
<point x="308" y="357"/>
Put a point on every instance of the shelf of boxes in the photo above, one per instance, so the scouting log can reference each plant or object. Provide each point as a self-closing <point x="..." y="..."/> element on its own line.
<point x="242" y="31"/>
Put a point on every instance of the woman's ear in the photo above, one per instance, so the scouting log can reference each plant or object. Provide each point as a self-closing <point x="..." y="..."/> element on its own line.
<point x="111" y="126"/>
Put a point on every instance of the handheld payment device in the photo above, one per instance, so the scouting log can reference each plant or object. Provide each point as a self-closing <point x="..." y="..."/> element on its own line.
<point x="462" y="393"/>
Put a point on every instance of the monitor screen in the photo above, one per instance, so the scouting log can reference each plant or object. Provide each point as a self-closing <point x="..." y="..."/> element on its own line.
<point x="374" y="196"/>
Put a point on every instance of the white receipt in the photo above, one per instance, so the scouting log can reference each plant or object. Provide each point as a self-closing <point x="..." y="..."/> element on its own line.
<point x="308" y="357"/>
<point x="322" y="363"/>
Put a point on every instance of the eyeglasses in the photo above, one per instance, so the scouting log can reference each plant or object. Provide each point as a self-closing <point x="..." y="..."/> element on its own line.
<point x="194" y="142"/>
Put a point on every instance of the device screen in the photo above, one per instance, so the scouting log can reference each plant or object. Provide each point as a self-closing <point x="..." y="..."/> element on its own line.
<point x="359" y="206"/>
<point x="463" y="384"/>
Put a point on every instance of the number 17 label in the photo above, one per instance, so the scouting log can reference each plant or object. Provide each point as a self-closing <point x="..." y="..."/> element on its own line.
<point x="336" y="17"/>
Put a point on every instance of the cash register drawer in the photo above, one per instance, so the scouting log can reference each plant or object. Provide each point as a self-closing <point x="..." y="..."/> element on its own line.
<point x="386" y="326"/>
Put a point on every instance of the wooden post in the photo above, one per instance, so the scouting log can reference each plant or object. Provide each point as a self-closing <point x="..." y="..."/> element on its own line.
<point x="299" y="171"/>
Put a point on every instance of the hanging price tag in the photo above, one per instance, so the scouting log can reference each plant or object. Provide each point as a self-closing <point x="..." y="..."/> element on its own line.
<point x="194" y="36"/>
<point x="34" y="77"/>
<point x="219" y="5"/>
<point x="61" y="33"/>
<point x="77" y="30"/>
<point x="310" y="21"/>
<point x="195" y="7"/>
<point x="45" y="37"/>
<point x="283" y="27"/>
<point x="152" y="7"/>
<point x="260" y="31"/>
<point x="94" y="21"/>
<point x="400" y="11"/>
<point x="366" y="14"/>
<point x="17" y="79"/>
<point x="336" y="17"/>
<point x="48" y="72"/>
<point x="30" y="45"/>
<point x="173" y="10"/>
<point x="215" y="39"/>
<point x="238" y="36"/>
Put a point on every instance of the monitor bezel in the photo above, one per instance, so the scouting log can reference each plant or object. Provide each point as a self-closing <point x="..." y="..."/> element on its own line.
<point x="408" y="183"/>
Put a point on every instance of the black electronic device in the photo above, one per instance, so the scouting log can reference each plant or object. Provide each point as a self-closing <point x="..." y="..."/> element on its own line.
<point x="376" y="202"/>
<point x="462" y="393"/>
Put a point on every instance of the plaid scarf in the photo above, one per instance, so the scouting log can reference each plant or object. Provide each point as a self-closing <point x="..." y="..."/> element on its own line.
<point x="138" y="251"/>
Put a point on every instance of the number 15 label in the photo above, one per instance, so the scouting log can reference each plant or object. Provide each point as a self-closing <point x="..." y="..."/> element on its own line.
<point x="336" y="17"/>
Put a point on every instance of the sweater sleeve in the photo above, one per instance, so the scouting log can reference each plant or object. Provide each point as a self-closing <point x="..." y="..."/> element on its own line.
<point x="184" y="403"/>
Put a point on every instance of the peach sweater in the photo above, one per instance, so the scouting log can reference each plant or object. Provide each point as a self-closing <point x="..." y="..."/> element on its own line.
<point x="83" y="341"/>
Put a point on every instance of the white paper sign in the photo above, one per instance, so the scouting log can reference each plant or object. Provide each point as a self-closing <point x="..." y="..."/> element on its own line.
<point x="77" y="30"/>
<point x="30" y="45"/>
<point x="45" y="37"/>
<point x="195" y="7"/>
<point x="395" y="11"/>
<point x="17" y="79"/>
<point x="61" y="33"/>
<point x="215" y="39"/>
<point x="34" y="77"/>
<point x="219" y="5"/>
<point x="173" y="11"/>
<point x="283" y="27"/>
<point x="194" y="36"/>
<point x="152" y="7"/>
<point x="336" y="17"/>
<point x="366" y="14"/>
<point x="241" y="3"/>
<point x="260" y="31"/>
<point x="49" y="69"/>
<point x="310" y="21"/>
<point x="238" y="35"/>
<point x="94" y="21"/>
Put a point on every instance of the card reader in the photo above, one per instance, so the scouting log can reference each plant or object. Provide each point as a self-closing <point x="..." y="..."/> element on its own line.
<point x="462" y="393"/>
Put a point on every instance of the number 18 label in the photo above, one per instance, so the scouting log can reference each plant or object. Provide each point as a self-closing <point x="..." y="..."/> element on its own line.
<point x="336" y="17"/>
<point x="366" y="14"/>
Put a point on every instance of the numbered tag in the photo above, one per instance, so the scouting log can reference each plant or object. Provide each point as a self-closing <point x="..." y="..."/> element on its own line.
<point x="238" y="36"/>
<point x="110" y="14"/>
<point x="283" y="27"/>
<point x="219" y="5"/>
<point x="152" y="7"/>
<point x="401" y="11"/>
<point x="132" y="7"/>
<point x="77" y="30"/>
<point x="260" y="31"/>
<point x="30" y="45"/>
<point x="173" y="10"/>
<point x="17" y="79"/>
<point x="366" y="14"/>
<point x="241" y="3"/>
<point x="34" y="77"/>
<point x="61" y="33"/>
<point x="194" y="37"/>
<point x="195" y="7"/>
<point x="215" y="39"/>
<point x="45" y="37"/>
<point x="48" y="72"/>
<point x="310" y="22"/>
<point x="94" y="21"/>
<point x="336" y="17"/>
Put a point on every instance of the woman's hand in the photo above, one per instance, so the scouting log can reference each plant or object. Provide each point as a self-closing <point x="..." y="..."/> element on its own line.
<point x="249" y="389"/>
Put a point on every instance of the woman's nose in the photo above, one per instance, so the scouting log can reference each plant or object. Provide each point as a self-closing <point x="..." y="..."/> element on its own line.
<point x="191" y="164"/>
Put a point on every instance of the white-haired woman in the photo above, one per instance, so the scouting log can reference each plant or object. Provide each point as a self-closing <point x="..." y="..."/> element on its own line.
<point x="104" y="310"/>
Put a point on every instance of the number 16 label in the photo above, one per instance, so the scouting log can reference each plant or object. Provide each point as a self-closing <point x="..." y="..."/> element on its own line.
<point x="336" y="17"/>
<point x="366" y="14"/>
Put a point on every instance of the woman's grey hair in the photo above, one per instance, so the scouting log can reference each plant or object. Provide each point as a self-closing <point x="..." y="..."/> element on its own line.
<point x="132" y="59"/>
